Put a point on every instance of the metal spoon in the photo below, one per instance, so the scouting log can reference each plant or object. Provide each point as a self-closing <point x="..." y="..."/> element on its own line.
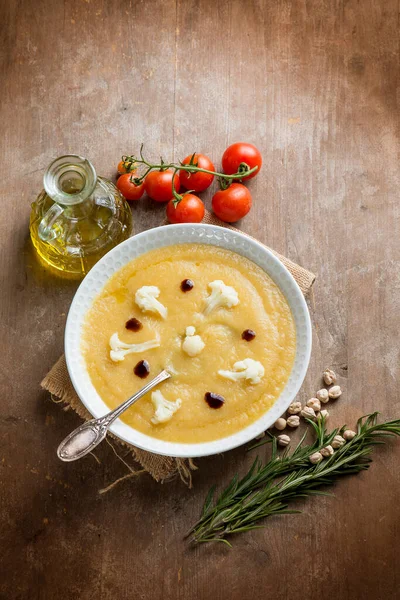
<point x="86" y="437"/>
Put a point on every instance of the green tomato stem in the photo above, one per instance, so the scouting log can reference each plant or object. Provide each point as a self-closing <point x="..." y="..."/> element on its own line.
<point x="177" y="196"/>
<point x="190" y="168"/>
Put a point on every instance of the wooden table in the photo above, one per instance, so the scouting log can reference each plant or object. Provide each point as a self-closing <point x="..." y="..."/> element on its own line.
<point x="315" y="85"/>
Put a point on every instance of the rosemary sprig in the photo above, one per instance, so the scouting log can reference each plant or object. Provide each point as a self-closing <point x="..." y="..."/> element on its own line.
<point x="267" y="489"/>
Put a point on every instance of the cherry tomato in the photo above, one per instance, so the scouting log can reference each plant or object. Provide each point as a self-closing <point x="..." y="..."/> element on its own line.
<point x="128" y="188"/>
<point x="238" y="153"/>
<point x="122" y="169"/>
<point x="189" y="210"/>
<point x="197" y="181"/>
<point x="158" y="185"/>
<point x="232" y="204"/>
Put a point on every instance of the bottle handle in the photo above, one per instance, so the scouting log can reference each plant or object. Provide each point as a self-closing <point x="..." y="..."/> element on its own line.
<point x="46" y="232"/>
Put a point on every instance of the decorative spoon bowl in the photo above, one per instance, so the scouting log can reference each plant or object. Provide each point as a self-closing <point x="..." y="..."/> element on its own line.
<point x="85" y="438"/>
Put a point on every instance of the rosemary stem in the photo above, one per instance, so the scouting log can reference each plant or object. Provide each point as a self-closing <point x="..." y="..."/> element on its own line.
<point x="267" y="489"/>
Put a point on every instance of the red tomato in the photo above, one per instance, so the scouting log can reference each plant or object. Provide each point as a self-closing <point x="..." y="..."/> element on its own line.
<point x="197" y="181"/>
<point x="189" y="210"/>
<point x="158" y="185"/>
<point x="238" y="153"/>
<point x="122" y="169"/>
<point x="232" y="204"/>
<point x="128" y="188"/>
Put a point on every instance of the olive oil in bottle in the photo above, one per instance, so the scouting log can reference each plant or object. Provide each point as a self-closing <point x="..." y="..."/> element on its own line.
<point x="78" y="217"/>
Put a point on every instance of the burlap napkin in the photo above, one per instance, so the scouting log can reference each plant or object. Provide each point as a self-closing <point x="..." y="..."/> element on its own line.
<point x="58" y="383"/>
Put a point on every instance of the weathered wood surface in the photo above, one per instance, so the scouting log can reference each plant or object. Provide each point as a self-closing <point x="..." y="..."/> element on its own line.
<point x="316" y="86"/>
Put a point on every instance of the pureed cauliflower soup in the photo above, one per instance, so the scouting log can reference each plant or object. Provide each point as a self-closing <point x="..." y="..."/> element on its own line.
<point x="214" y="319"/>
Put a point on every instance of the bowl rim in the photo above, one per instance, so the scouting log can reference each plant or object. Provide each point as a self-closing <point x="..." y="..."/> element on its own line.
<point x="96" y="406"/>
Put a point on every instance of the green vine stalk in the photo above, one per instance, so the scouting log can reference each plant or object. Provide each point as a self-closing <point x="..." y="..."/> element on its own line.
<point x="131" y="162"/>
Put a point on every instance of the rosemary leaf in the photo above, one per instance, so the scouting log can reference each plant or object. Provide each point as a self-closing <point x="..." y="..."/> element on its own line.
<point x="267" y="489"/>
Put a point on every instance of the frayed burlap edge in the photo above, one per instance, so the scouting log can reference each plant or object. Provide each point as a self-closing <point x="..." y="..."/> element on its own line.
<point x="161" y="468"/>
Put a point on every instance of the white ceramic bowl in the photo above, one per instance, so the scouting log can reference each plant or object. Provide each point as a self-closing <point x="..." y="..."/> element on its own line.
<point x="166" y="236"/>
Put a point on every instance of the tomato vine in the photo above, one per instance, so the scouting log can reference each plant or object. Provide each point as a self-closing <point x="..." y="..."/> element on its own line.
<point x="225" y="179"/>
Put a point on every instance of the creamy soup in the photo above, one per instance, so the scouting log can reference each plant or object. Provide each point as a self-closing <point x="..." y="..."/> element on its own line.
<point x="229" y="346"/>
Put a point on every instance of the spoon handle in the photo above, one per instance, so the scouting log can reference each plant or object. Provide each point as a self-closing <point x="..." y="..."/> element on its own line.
<point x="87" y="436"/>
<point x="114" y="414"/>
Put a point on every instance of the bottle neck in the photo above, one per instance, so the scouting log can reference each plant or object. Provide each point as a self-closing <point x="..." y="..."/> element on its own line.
<point x="70" y="181"/>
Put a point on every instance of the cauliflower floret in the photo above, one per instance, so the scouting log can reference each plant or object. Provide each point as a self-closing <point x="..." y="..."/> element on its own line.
<point x="164" y="409"/>
<point x="192" y="344"/>
<point x="245" y="369"/>
<point x="145" y="298"/>
<point x="221" y="296"/>
<point x="120" y="349"/>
